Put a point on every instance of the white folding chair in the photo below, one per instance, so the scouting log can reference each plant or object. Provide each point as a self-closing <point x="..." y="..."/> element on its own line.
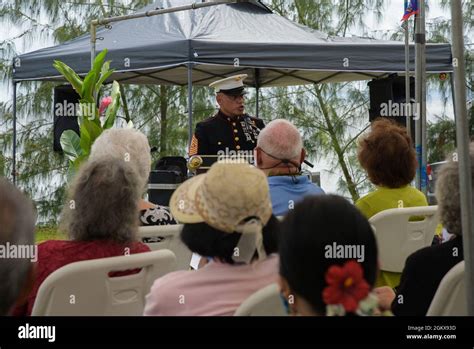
<point x="450" y="297"/>
<point x="167" y="237"/>
<point x="398" y="237"/>
<point x="264" y="302"/>
<point x="85" y="287"/>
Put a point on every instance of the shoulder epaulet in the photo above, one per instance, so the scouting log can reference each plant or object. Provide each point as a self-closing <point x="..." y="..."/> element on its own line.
<point x="209" y="119"/>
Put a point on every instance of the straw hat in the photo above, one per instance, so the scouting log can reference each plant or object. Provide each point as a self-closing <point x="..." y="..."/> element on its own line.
<point x="230" y="197"/>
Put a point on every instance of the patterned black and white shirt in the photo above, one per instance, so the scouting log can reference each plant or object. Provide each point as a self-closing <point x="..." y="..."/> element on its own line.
<point x="159" y="215"/>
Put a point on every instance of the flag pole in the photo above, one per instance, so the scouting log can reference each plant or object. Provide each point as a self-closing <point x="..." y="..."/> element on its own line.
<point x="420" y="96"/>
<point x="408" y="109"/>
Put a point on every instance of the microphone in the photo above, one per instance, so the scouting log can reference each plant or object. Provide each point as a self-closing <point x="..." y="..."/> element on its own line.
<point x="194" y="163"/>
<point x="308" y="163"/>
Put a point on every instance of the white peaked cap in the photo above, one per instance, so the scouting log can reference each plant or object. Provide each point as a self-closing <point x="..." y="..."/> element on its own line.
<point x="232" y="84"/>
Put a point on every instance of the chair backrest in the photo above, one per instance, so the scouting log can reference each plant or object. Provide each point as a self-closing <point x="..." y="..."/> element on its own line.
<point x="85" y="288"/>
<point x="450" y="297"/>
<point x="161" y="237"/>
<point x="398" y="236"/>
<point x="264" y="302"/>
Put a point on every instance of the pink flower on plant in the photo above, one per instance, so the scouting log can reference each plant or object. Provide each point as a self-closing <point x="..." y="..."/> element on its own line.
<point x="104" y="103"/>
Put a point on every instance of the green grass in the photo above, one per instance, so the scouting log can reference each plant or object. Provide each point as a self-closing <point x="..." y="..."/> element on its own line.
<point x="44" y="233"/>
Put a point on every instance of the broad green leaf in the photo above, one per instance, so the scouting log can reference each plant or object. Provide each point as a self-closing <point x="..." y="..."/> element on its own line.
<point x="74" y="166"/>
<point x="105" y="73"/>
<point x="85" y="141"/>
<point x="88" y="87"/>
<point x="111" y="112"/>
<point x="88" y="110"/>
<point x="70" y="142"/>
<point x="77" y="163"/>
<point x="70" y="76"/>
<point x="91" y="132"/>
<point x="94" y="131"/>
<point x="97" y="66"/>
<point x="115" y="89"/>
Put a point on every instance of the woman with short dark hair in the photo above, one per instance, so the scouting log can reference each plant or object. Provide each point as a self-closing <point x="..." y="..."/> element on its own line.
<point x="388" y="155"/>
<point x="328" y="258"/>
<point x="100" y="219"/>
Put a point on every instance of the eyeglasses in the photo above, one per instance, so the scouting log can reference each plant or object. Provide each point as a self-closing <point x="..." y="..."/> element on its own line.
<point x="234" y="98"/>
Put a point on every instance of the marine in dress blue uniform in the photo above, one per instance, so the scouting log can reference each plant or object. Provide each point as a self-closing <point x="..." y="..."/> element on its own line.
<point x="231" y="129"/>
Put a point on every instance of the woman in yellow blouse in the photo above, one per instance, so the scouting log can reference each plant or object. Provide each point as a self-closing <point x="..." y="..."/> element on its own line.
<point x="388" y="156"/>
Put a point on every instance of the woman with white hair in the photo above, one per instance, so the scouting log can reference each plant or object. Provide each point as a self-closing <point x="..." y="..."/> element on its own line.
<point x="131" y="145"/>
<point x="425" y="268"/>
<point x="99" y="219"/>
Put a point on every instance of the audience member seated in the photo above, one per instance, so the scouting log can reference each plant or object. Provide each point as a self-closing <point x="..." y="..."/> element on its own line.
<point x="388" y="156"/>
<point x="17" y="226"/>
<point x="99" y="218"/>
<point x="132" y="146"/>
<point x="225" y="213"/>
<point x="279" y="153"/>
<point x="328" y="259"/>
<point x="425" y="268"/>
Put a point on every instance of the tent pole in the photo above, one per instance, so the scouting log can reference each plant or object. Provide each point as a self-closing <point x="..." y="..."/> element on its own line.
<point x="420" y="87"/>
<point x="257" y="89"/>
<point x="93" y="40"/>
<point x="14" y="134"/>
<point x="453" y="96"/>
<point x="257" y="97"/>
<point x="408" y="115"/>
<point x="190" y="104"/>
<point x="462" y="135"/>
<point x="423" y="123"/>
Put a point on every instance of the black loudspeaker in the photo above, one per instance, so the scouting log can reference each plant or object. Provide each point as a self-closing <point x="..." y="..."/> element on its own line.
<point x="387" y="98"/>
<point x="169" y="173"/>
<point x="65" y="110"/>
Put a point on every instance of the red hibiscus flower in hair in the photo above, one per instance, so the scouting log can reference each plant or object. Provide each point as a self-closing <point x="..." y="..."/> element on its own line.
<point x="346" y="286"/>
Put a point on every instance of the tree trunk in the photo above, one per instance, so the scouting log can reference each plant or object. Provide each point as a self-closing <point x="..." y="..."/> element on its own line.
<point x="124" y="103"/>
<point x="163" y="116"/>
<point x="337" y="147"/>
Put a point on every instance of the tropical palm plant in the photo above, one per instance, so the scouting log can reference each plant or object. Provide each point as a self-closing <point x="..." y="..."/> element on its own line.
<point x="77" y="147"/>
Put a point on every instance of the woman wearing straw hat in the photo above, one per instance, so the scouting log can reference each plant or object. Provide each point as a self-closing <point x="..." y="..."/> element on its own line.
<point x="234" y="227"/>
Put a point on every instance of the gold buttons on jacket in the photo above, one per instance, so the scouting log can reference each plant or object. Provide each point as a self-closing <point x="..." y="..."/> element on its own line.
<point x="237" y="146"/>
<point x="235" y="130"/>
<point x="236" y="138"/>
